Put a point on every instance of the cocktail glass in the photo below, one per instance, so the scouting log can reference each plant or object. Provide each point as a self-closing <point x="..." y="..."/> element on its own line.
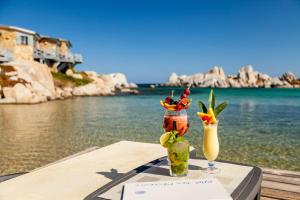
<point x="178" y="157"/>
<point x="181" y="119"/>
<point x="210" y="146"/>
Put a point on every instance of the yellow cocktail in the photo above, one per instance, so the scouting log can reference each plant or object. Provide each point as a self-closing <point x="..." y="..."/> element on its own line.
<point x="210" y="141"/>
<point x="210" y="145"/>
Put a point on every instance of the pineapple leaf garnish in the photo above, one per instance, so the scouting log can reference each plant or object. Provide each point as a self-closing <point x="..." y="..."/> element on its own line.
<point x="211" y="100"/>
<point x="220" y="108"/>
<point x="202" y="106"/>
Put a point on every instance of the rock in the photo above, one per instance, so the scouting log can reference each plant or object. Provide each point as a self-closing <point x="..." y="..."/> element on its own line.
<point x="77" y="76"/>
<point x="129" y="91"/>
<point x="22" y="94"/>
<point x="276" y="82"/>
<point x="7" y="101"/>
<point x="91" y="90"/>
<point x="246" y="77"/>
<point x="289" y="77"/>
<point x="132" y="85"/>
<point x="13" y="78"/>
<point x="12" y="73"/>
<point x="119" y="80"/>
<point x="37" y="74"/>
<point x="86" y="90"/>
<point x="217" y="71"/>
<point x="69" y="72"/>
<point x="173" y="80"/>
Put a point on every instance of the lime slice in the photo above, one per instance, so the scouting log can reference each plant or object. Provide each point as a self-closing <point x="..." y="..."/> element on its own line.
<point x="164" y="138"/>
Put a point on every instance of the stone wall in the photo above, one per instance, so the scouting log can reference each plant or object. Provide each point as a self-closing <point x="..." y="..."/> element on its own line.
<point x="64" y="49"/>
<point x="7" y="39"/>
<point x="47" y="45"/>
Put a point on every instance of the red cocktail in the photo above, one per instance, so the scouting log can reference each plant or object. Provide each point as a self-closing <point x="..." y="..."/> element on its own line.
<point x="181" y="119"/>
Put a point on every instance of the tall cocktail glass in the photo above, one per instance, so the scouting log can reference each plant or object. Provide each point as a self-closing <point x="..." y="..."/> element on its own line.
<point x="210" y="146"/>
<point x="178" y="157"/>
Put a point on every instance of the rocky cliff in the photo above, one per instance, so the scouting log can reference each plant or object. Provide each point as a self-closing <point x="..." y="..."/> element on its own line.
<point x="32" y="82"/>
<point x="246" y="77"/>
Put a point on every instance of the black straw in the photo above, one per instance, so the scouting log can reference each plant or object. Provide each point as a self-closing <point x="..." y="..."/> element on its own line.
<point x="174" y="126"/>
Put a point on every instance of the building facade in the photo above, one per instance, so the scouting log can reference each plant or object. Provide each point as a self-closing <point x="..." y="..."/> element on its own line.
<point x="17" y="44"/>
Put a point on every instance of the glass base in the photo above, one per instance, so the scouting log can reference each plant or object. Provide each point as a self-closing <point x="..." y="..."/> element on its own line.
<point x="211" y="169"/>
<point x="178" y="175"/>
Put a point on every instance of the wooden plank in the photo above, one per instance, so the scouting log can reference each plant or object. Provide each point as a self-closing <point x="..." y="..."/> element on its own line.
<point x="281" y="172"/>
<point x="268" y="198"/>
<point x="279" y="194"/>
<point x="281" y="179"/>
<point x="281" y="186"/>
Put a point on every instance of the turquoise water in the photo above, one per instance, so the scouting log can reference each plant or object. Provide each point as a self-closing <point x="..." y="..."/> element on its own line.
<point x="260" y="126"/>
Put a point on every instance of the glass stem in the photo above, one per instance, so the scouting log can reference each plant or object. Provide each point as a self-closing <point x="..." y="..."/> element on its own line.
<point x="211" y="165"/>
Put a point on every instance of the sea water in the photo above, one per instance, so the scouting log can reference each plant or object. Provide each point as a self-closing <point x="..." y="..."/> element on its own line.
<point x="260" y="126"/>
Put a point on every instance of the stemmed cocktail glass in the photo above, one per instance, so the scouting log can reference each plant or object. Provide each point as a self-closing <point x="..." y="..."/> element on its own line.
<point x="210" y="146"/>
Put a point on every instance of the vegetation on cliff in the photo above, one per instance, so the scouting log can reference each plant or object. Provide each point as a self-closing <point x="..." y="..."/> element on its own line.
<point x="63" y="80"/>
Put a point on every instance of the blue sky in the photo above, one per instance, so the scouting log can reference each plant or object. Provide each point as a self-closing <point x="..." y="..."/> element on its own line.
<point x="148" y="40"/>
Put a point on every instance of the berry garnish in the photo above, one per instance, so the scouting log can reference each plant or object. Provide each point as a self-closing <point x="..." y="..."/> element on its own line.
<point x="187" y="91"/>
<point x="168" y="99"/>
<point x="172" y="105"/>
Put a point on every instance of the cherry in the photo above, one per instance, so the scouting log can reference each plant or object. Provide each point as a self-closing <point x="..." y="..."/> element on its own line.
<point x="168" y="100"/>
<point x="187" y="91"/>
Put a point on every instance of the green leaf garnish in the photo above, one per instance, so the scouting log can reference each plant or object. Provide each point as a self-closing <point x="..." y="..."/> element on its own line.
<point x="220" y="108"/>
<point x="202" y="106"/>
<point x="211" y="99"/>
<point x="172" y="137"/>
<point x="180" y="139"/>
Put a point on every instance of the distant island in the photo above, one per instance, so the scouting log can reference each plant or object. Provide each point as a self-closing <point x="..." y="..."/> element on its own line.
<point x="246" y="77"/>
<point x="36" y="68"/>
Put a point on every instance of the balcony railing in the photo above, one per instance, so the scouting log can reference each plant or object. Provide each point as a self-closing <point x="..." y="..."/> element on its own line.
<point x="53" y="55"/>
<point x="5" y="55"/>
<point x="78" y="58"/>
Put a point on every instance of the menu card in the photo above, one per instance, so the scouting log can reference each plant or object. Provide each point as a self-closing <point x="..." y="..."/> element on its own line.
<point x="197" y="189"/>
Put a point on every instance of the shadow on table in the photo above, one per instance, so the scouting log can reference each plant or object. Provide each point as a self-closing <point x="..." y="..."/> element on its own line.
<point x="165" y="171"/>
<point x="113" y="174"/>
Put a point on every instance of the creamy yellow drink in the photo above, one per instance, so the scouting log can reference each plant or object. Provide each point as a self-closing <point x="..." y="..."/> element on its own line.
<point x="210" y="145"/>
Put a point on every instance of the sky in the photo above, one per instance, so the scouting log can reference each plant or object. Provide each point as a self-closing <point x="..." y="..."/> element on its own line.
<point x="148" y="40"/>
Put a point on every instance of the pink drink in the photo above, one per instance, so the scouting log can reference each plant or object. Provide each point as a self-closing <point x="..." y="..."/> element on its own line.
<point x="182" y="123"/>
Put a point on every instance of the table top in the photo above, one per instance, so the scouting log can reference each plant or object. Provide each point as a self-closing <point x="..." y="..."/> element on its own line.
<point x="77" y="176"/>
<point x="241" y="181"/>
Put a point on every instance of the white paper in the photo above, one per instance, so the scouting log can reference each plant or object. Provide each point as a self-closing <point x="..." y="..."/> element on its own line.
<point x="206" y="189"/>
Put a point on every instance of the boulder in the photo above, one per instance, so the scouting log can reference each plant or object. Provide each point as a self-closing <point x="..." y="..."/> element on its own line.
<point x="173" y="80"/>
<point x="21" y="94"/>
<point x="69" y="72"/>
<point x="119" y="80"/>
<point x="37" y="74"/>
<point x="86" y="90"/>
<point x="289" y="77"/>
<point x="132" y="85"/>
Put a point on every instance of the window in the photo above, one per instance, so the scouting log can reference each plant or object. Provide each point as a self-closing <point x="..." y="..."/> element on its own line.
<point x="24" y="40"/>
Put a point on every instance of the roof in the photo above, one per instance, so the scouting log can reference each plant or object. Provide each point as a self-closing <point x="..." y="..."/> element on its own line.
<point x="23" y="30"/>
